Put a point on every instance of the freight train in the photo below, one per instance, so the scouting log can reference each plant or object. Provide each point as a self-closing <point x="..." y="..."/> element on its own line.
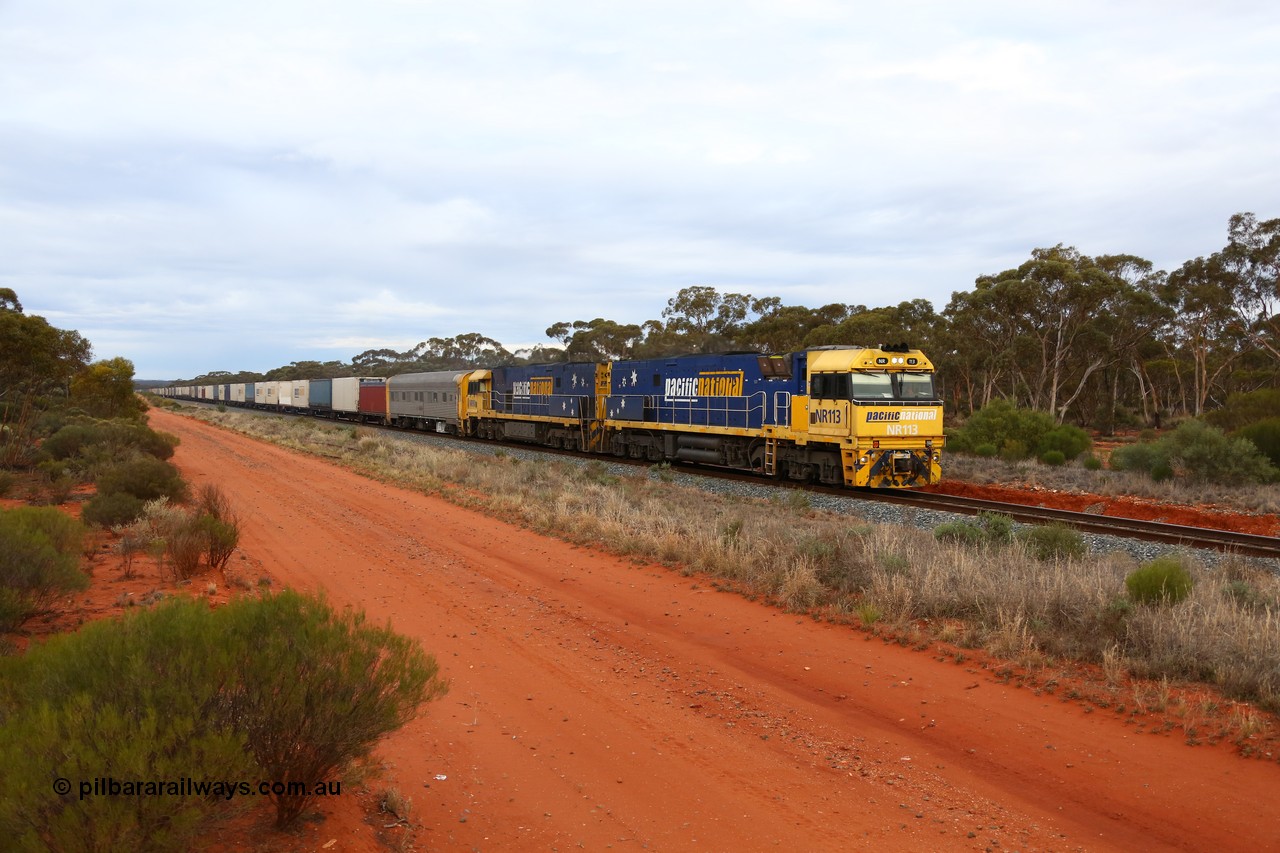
<point x="857" y="416"/>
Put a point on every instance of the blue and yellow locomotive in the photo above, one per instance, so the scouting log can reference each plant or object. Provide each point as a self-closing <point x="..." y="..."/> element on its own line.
<point x="839" y="415"/>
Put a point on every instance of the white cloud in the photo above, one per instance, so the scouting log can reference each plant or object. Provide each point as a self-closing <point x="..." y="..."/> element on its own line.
<point x="433" y="168"/>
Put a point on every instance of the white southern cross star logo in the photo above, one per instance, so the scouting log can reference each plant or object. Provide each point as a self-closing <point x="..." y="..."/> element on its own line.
<point x="634" y="378"/>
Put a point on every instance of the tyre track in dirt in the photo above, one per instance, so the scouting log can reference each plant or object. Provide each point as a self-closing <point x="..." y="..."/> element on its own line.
<point x="600" y="703"/>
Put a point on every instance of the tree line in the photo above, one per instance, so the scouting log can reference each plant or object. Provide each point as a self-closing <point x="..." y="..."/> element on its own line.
<point x="1103" y="341"/>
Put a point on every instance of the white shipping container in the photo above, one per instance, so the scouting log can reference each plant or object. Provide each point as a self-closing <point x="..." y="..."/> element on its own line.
<point x="346" y="394"/>
<point x="237" y="392"/>
<point x="284" y="390"/>
<point x="301" y="393"/>
<point x="266" y="393"/>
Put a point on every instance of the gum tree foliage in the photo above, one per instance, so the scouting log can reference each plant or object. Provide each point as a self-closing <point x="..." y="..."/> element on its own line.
<point x="104" y="389"/>
<point x="913" y="322"/>
<point x="1252" y="255"/>
<point x="35" y="358"/>
<point x="785" y="328"/>
<point x="596" y="340"/>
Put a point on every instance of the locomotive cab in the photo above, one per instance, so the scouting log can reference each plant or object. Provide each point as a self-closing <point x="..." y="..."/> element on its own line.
<point x="880" y="407"/>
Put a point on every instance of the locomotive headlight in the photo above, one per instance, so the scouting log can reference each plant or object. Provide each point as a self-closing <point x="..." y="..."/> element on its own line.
<point x="862" y="461"/>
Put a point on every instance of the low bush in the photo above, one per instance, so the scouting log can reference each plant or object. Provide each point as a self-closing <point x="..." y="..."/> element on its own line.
<point x="1199" y="452"/>
<point x="1002" y="425"/>
<point x="132" y="698"/>
<point x="315" y="689"/>
<point x="220" y="539"/>
<point x="1054" y="541"/>
<point x="39" y="562"/>
<point x="1241" y="410"/>
<point x="7" y="481"/>
<point x="1092" y="463"/>
<point x="988" y="528"/>
<point x="1162" y="581"/>
<point x="1066" y="439"/>
<point x="112" y="510"/>
<point x="1205" y="453"/>
<point x="117" y="438"/>
<point x="1264" y="435"/>
<point x="278" y="688"/>
<point x="146" y="478"/>
<point x="1142" y="456"/>
<point x="1053" y="457"/>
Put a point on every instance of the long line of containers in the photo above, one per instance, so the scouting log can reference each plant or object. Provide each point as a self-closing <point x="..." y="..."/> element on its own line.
<point x="350" y="398"/>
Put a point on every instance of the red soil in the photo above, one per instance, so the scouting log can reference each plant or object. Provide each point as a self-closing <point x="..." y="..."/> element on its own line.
<point x="1120" y="507"/>
<point x="597" y="703"/>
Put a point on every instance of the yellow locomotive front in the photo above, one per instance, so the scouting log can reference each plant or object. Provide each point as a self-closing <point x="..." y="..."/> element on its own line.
<point x="882" y="410"/>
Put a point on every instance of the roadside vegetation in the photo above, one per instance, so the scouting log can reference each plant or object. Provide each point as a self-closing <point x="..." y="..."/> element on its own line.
<point x="276" y="688"/>
<point x="279" y="688"/>
<point x="1037" y="598"/>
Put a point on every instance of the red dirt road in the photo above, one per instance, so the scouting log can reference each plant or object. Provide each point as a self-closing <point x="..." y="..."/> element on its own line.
<point x="600" y="704"/>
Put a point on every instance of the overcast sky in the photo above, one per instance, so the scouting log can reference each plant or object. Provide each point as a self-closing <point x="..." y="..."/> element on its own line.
<point x="237" y="185"/>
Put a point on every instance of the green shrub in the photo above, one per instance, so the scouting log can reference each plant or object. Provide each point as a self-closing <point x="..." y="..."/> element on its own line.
<point x="127" y="699"/>
<point x="988" y="528"/>
<point x="115" y="438"/>
<point x="1054" y="541"/>
<point x="1205" y="453"/>
<point x="186" y="544"/>
<point x="280" y="688"/>
<point x="1092" y="463"/>
<point x="145" y="478"/>
<point x="1241" y="410"/>
<point x="1068" y="440"/>
<point x="1053" y="457"/>
<point x="1142" y="456"/>
<point x="1012" y="450"/>
<point x="1264" y="435"/>
<point x="985" y="450"/>
<point x="220" y="539"/>
<point x="1162" y="581"/>
<point x="7" y="480"/>
<point x="964" y="532"/>
<point x="315" y="689"/>
<point x="112" y="510"/>
<point x="39" y="562"/>
<point x="1003" y="425"/>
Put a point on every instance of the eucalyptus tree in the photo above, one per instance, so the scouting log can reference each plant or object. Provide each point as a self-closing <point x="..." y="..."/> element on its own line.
<point x="1205" y="336"/>
<point x="596" y="340"/>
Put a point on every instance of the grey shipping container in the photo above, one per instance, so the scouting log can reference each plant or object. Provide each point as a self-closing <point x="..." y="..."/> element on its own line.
<point x="321" y="394"/>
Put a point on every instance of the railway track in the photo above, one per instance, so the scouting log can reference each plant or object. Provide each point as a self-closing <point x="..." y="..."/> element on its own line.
<point x="1151" y="531"/>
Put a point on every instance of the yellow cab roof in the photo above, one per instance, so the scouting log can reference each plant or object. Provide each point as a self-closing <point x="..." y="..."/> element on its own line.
<point x="844" y="359"/>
